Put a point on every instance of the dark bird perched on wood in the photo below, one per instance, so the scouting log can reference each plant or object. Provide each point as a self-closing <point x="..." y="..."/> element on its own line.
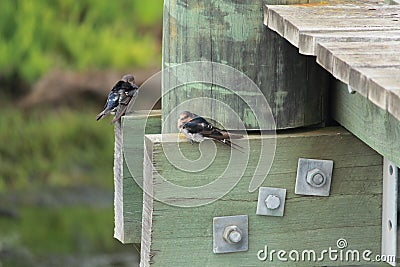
<point x="196" y="129"/>
<point x="119" y="97"/>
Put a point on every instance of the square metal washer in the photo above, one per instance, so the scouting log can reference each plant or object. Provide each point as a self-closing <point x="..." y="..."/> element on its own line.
<point x="263" y="193"/>
<point x="304" y="167"/>
<point x="219" y="243"/>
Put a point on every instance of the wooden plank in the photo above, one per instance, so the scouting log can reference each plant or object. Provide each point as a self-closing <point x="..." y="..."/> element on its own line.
<point x="340" y="63"/>
<point x="175" y="236"/>
<point x="359" y="45"/>
<point x="379" y="89"/>
<point x="374" y="126"/>
<point x="290" y="26"/>
<point x="393" y="106"/>
<point x="128" y="167"/>
<point x="294" y="27"/>
<point x="231" y="33"/>
<point x="360" y="77"/>
<point x="343" y="63"/>
<point x="336" y="47"/>
<point x="339" y="58"/>
<point x="324" y="10"/>
<point x="308" y="40"/>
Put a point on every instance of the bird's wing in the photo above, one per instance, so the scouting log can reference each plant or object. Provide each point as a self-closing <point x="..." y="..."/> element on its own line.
<point x="124" y="102"/>
<point x="222" y="136"/>
<point x="119" y="85"/>
<point x="121" y="109"/>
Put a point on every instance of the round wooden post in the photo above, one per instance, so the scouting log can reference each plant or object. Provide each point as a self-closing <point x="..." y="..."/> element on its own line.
<point x="233" y="33"/>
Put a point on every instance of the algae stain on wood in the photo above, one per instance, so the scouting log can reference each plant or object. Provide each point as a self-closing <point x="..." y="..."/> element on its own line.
<point x="280" y="101"/>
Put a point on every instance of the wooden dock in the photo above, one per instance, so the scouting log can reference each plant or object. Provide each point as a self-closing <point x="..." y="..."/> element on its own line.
<point x="355" y="41"/>
<point x="358" y="43"/>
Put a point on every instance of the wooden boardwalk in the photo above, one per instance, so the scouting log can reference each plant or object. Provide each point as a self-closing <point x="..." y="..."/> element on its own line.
<point x="357" y="42"/>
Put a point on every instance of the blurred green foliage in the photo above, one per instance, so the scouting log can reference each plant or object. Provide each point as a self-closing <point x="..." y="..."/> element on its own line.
<point x="54" y="148"/>
<point x="59" y="149"/>
<point x="46" y="155"/>
<point x="61" y="231"/>
<point x="36" y="36"/>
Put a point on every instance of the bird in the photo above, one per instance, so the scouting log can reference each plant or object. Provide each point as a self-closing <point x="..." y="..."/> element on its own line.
<point x="196" y="129"/>
<point x="184" y="117"/>
<point x="127" y="94"/>
<point x="119" y="97"/>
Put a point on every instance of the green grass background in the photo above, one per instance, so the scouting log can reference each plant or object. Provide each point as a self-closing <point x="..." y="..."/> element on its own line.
<point x="56" y="164"/>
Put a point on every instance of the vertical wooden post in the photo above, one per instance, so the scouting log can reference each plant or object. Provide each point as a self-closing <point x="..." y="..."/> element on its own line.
<point x="232" y="33"/>
<point x="128" y="172"/>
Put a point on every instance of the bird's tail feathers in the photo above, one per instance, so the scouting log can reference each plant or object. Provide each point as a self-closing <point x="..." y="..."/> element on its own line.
<point x="235" y="136"/>
<point x="119" y="113"/>
<point x="101" y="115"/>
<point x="230" y="144"/>
<point x="229" y="135"/>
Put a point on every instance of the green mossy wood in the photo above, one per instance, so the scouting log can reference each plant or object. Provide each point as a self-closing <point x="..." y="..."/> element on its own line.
<point x="128" y="194"/>
<point x="232" y="33"/>
<point x="373" y="125"/>
<point x="174" y="236"/>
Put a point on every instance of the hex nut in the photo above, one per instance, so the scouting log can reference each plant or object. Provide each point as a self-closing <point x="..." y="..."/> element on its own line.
<point x="316" y="178"/>
<point x="230" y="234"/>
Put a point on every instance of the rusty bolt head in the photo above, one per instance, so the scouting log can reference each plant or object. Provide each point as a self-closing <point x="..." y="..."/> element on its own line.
<point x="232" y="234"/>
<point x="316" y="178"/>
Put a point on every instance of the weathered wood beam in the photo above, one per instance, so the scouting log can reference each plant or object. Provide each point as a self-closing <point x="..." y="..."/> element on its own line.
<point x="309" y="40"/>
<point x="176" y="236"/>
<point x="373" y="125"/>
<point x="340" y="57"/>
<point x="128" y="169"/>
<point x="291" y="22"/>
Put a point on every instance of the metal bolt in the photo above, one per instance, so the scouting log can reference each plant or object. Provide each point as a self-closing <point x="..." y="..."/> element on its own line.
<point x="273" y="202"/>
<point x="316" y="177"/>
<point x="232" y="234"/>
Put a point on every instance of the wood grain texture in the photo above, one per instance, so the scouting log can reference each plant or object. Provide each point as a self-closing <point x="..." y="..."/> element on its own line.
<point x="308" y="40"/>
<point x="232" y="33"/>
<point x="128" y="167"/>
<point x="374" y="126"/>
<point x="183" y="236"/>
<point x="290" y="21"/>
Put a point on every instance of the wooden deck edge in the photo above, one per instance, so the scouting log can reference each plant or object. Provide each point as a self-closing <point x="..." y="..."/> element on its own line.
<point x="373" y="125"/>
<point x="118" y="184"/>
<point x="343" y="65"/>
<point x="147" y="214"/>
<point x="128" y="172"/>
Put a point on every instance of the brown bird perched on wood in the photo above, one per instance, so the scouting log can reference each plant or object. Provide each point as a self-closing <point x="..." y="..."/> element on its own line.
<point x="196" y="129"/>
<point x="119" y="97"/>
